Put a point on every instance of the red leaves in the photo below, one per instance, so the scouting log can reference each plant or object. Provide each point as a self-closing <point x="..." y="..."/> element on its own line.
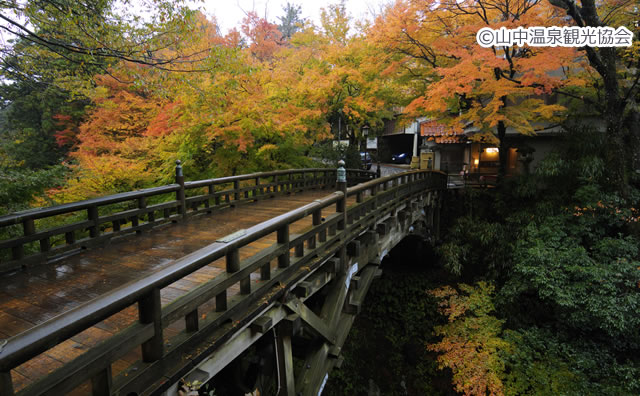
<point x="67" y="134"/>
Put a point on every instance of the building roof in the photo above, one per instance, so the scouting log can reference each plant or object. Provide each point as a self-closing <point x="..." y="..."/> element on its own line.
<point x="441" y="133"/>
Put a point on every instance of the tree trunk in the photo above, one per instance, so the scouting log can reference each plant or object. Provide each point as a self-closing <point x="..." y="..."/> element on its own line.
<point x="616" y="154"/>
<point x="503" y="151"/>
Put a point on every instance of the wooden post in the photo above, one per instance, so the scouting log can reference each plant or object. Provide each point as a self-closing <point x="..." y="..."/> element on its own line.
<point x="180" y="196"/>
<point x="92" y="216"/>
<point x="28" y="228"/>
<point x="360" y="210"/>
<point x="6" y="384"/>
<point x="284" y="361"/>
<point x="142" y="204"/>
<point x="283" y="238"/>
<point x="265" y="271"/>
<point x="191" y="321"/>
<point x="150" y="311"/>
<point x="221" y="301"/>
<point x="316" y="221"/>
<point x="436" y="219"/>
<point x="341" y="205"/>
<point x="236" y="193"/>
<point x="102" y="382"/>
<point x="233" y="261"/>
<point x="70" y="237"/>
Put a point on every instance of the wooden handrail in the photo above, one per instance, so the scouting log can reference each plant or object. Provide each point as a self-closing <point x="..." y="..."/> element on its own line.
<point x="25" y="346"/>
<point x="94" y="230"/>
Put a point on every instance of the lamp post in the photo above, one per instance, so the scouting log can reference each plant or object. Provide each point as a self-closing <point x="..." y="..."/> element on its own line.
<point x="365" y="133"/>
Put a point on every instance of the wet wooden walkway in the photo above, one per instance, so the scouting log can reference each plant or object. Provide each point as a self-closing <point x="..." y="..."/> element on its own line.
<point x="30" y="297"/>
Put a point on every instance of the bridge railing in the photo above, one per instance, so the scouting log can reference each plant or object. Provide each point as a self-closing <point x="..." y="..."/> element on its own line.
<point x="203" y="321"/>
<point x="52" y="231"/>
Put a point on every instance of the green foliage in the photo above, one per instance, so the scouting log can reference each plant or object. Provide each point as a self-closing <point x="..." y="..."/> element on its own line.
<point x="476" y="246"/>
<point x="291" y="22"/>
<point x="39" y="122"/>
<point x="544" y="362"/>
<point x="19" y="186"/>
<point x="387" y="342"/>
<point x="562" y="249"/>
<point x="586" y="288"/>
<point x="330" y="154"/>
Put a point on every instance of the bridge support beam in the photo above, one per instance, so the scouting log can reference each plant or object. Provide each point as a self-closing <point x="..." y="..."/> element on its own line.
<point x="284" y="356"/>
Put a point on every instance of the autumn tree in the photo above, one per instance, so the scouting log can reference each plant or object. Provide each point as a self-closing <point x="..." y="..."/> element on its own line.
<point x="264" y="36"/>
<point x="471" y="340"/>
<point x="484" y="90"/>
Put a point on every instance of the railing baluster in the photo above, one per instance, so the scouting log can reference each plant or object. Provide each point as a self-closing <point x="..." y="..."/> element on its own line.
<point x="150" y="311"/>
<point x="316" y="220"/>
<point x="261" y="188"/>
<point x="283" y="238"/>
<point x="70" y="237"/>
<point x="6" y="384"/>
<point x="92" y="215"/>
<point x="216" y="201"/>
<point x="341" y="204"/>
<point x="358" y="213"/>
<point x="207" y="200"/>
<point x="135" y="222"/>
<point x="180" y="195"/>
<point x="191" y="321"/>
<point x="233" y="261"/>
<point x="255" y="190"/>
<point x="236" y="193"/>
<point x="221" y="301"/>
<point x="142" y="204"/>
<point x="28" y="228"/>
<point x="233" y="265"/>
<point x="102" y="382"/>
<point x="45" y="244"/>
<point x="166" y="213"/>
<point x="265" y="271"/>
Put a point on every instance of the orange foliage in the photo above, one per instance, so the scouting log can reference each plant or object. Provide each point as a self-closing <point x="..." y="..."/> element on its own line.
<point x="264" y="37"/>
<point x="470" y="85"/>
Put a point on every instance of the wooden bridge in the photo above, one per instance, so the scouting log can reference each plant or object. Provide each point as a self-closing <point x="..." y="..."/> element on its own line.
<point x="131" y="293"/>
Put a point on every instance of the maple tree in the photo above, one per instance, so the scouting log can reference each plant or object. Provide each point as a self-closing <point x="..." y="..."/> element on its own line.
<point x="481" y="90"/>
<point x="471" y="340"/>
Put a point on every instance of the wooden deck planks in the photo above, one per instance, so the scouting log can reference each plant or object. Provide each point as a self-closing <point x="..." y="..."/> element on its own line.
<point x="32" y="297"/>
